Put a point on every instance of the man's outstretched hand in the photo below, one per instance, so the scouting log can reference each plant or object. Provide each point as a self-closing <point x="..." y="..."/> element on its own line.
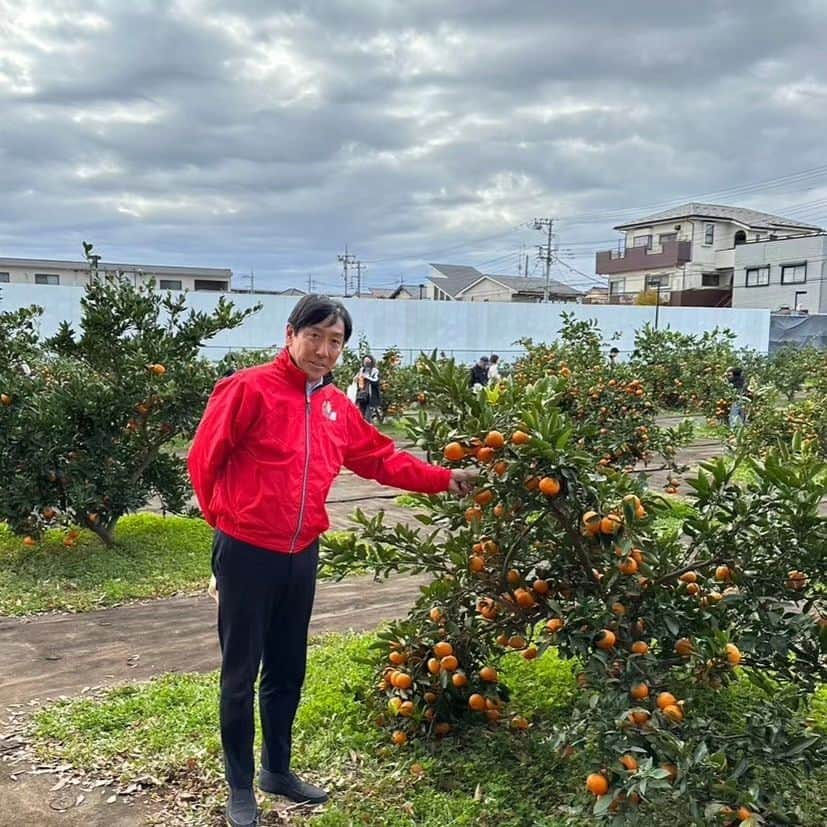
<point x="462" y="481"/>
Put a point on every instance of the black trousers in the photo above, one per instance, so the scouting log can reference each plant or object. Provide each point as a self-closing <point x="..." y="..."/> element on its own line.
<point x="265" y="599"/>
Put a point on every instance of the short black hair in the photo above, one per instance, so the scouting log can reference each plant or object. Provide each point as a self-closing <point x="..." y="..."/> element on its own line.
<point x="316" y="309"/>
<point x="494" y="358"/>
<point x="614" y="350"/>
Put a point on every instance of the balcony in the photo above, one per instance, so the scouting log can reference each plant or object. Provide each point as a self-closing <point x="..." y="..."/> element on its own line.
<point x="670" y="254"/>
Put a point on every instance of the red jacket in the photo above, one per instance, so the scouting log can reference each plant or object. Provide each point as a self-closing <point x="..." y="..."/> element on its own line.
<point x="266" y="453"/>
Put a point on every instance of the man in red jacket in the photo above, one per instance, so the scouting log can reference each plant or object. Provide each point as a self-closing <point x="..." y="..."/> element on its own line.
<point x="268" y="448"/>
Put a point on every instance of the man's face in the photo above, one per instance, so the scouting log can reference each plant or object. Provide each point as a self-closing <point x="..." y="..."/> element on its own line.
<point x="316" y="349"/>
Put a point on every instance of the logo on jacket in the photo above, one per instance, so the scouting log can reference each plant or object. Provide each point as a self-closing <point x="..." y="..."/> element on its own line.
<point x="327" y="410"/>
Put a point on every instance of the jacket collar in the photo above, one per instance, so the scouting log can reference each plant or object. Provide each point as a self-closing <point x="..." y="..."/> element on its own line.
<point x="285" y="365"/>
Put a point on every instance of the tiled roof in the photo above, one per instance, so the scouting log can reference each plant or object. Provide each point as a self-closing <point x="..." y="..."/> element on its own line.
<point x="750" y="218"/>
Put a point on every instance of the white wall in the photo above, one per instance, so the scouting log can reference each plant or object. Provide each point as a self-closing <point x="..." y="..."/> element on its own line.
<point x="463" y="329"/>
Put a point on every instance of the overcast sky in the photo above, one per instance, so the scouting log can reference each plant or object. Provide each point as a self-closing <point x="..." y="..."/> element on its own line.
<point x="268" y="135"/>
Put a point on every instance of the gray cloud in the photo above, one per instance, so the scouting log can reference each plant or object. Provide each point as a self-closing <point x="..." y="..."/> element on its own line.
<point x="245" y="134"/>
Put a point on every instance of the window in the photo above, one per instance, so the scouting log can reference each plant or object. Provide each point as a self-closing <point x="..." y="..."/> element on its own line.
<point x="793" y="273"/>
<point x="616" y="288"/>
<point x="4" y="278"/>
<point x="170" y="284"/>
<point x="710" y="280"/>
<point x="709" y="233"/>
<point x="642" y="241"/>
<point x="210" y="284"/>
<point x="757" y="277"/>
<point x="665" y="238"/>
<point x="653" y="282"/>
<point x="800" y="298"/>
<point x="46" y="278"/>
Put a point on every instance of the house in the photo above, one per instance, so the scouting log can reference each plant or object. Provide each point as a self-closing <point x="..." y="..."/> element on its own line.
<point x="689" y="252"/>
<point x="782" y="274"/>
<point x="78" y="273"/>
<point x="596" y="295"/>
<point x="402" y="291"/>
<point x="461" y="283"/>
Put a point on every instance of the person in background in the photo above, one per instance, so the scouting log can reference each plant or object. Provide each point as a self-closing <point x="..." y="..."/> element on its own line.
<point x="493" y="369"/>
<point x="271" y="441"/>
<point x="479" y="373"/>
<point x="613" y="355"/>
<point x="737" y="411"/>
<point x="367" y="387"/>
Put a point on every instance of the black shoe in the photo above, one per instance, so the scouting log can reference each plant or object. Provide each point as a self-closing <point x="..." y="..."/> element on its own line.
<point x="291" y="786"/>
<point x="241" y="809"/>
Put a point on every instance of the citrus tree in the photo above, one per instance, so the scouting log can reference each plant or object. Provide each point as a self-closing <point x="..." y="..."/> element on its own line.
<point x="685" y="372"/>
<point x="87" y="415"/>
<point x="554" y="551"/>
<point x="614" y="407"/>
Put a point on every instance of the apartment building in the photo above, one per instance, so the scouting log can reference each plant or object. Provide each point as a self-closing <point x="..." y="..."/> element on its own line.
<point x="55" y="273"/>
<point x="688" y="252"/>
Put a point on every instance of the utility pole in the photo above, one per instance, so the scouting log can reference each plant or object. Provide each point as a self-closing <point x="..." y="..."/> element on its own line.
<point x="346" y="260"/>
<point x="252" y="278"/>
<point x="657" y="303"/>
<point x="309" y="282"/>
<point x="359" y="268"/>
<point x="545" y="251"/>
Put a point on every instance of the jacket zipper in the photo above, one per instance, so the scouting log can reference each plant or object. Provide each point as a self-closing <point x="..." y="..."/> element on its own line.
<point x="306" y="470"/>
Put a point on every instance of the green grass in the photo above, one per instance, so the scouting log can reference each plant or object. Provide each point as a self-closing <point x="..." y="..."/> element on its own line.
<point x="154" y="557"/>
<point x="168" y="729"/>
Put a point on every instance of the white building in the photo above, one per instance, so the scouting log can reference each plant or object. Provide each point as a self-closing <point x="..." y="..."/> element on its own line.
<point x="689" y="251"/>
<point x="784" y="274"/>
<point x="78" y="273"/>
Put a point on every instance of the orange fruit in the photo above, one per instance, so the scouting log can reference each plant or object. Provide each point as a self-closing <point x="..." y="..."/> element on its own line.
<point x="485" y="455"/>
<point x="689" y="577"/>
<point x="540" y="587"/>
<point x="492" y="714"/>
<point x="443" y="648"/>
<point x="610" y="524"/>
<point x="435" y="614"/>
<point x="476" y="563"/>
<point x="744" y="813"/>
<point x="519" y="722"/>
<point x="430" y="697"/>
<point x="484" y="497"/>
<point x="733" y="654"/>
<point x="628" y="565"/>
<point x="666" y="699"/>
<point x="640" y="647"/>
<point x="619" y="609"/>
<point x="796" y="580"/>
<point x="673" y="712"/>
<point x="158" y="369"/>
<point x="500" y="467"/>
<point x="449" y="663"/>
<point x="693" y="588"/>
<point x="397" y="658"/>
<point x="517" y="642"/>
<point x="442" y="728"/>
<point x="524" y="598"/>
<point x="520" y="438"/>
<point x="513" y="577"/>
<point x="489" y="674"/>
<point x="499" y="510"/>
<point x="476" y="702"/>
<point x="672" y="770"/>
<point x="453" y="452"/>
<point x="723" y="573"/>
<point x="629" y="761"/>
<point x="29" y="541"/>
<point x="605" y="639"/>
<point x="554" y="625"/>
<point x="549" y="486"/>
<point x="406" y="709"/>
<point x="494" y="439"/>
<point x="639" y="716"/>
<point x="399" y="738"/>
<point x="683" y="647"/>
<point x="597" y="784"/>
<point x="459" y="679"/>
<point x="5" y="400"/>
<point x="530" y="653"/>
<point x="403" y="681"/>
<point x="532" y="483"/>
<point x="639" y="691"/>
<point x="434" y="666"/>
